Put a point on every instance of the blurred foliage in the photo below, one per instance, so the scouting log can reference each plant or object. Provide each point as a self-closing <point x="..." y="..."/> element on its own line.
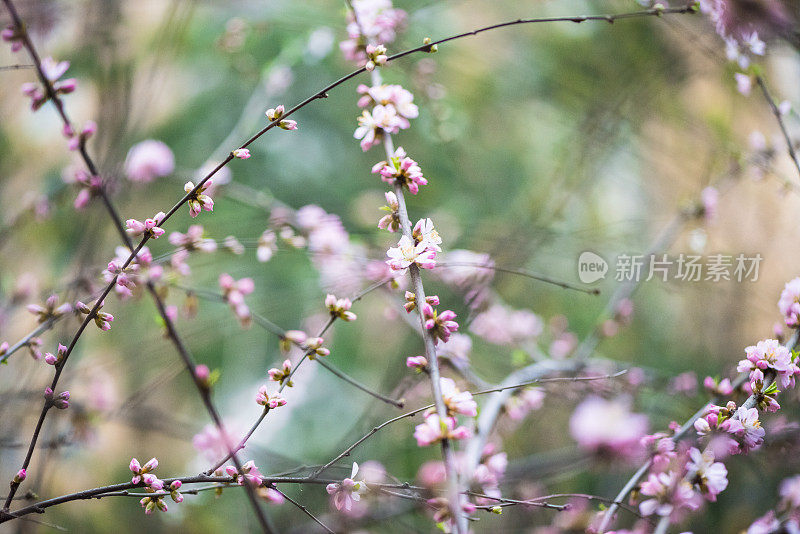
<point x="539" y="141"/>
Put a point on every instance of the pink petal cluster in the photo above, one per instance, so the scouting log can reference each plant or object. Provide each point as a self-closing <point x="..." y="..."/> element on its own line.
<point x="391" y="221"/>
<point x="407" y="253"/>
<point x="50" y="310"/>
<point x="340" y="308"/>
<point x="60" y="401"/>
<point x="90" y="188"/>
<point x="503" y="326"/>
<point x="668" y="492"/>
<point x="440" y="325"/>
<point x="52" y="71"/>
<point x="274" y="114"/>
<point x="392" y="108"/>
<point x="769" y="354"/>
<point x="789" y="303"/>
<point x="433" y="430"/>
<point x="249" y="473"/>
<point x="347" y="492"/>
<point x="336" y="258"/>
<point x="710" y="477"/>
<point x="263" y="398"/>
<point x="149" y="226"/>
<point x="608" y="427"/>
<point x="457" y="401"/>
<point x="282" y="375"/>
<point x="198" y="200"/>
<point x="148" y="160"/>
<point x="102" y="319"/>
<point x="193" y="240"/>
<point x="378" y="21"/>
<point x="402" y="170"/>
<point x="233" y="292"/>
<point x="142" y="474"/>
<point x="11" y="34"/>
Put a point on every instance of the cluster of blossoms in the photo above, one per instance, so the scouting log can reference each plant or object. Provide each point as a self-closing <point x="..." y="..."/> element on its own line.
<point x="249" y="473"/>
<point x="50" y="310"/>
<point x="370" y="23"/>
<point x="335" y="257"/>
<point x="141" y="269"/>
<point x="187" y="243"/>
<point x="58" y="357"/>
<point x="731" y="430"/>
<point x="769" y="355"/>
<point x="198" y="200"/>
<point x="789" y="303"/>
<point x="402" y="170"/>
<point x="102" y="319"/>
<point x="681" y="480"/>
<point x="390" y="221"/>
<point x="77" y="141"/>
<point x="148" y="160"/>
<point x="340" y="308"/>
<point x="608" y="427"/>
<point x="52" y="71"/>
<point x="275" y="114"/>
<point x="348" y="491"/>
<point x="456" y="402"/>
<point x="392" y="107"/>
<point x="283" y="374"/>
<point x="788" y="520"/>
<point x="60" y="401"/>
<point x="420" y="249"/>
<point x="150" y="227"/>
<point x="233" y="292"/>
<point x="440" y="325"/>
<point x="501" y="325"/>
<point x="263" y="398"/>
<point x="90" y="187"/>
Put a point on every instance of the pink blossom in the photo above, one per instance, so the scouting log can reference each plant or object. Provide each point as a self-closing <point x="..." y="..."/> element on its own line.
<point x="345" y="493"/>
<point x="457" y="401"/>
<point x="769" y="354"/>
<point x="376" y="55"/>
<point x="709" y="476"/>
<point x="60" y="401"/>
<point x="267" y="245"/>
<point x="789" y="303"/>
<point x="402" y="170"/>
<point x="241" y="153"/>
<point x="528" y="400"/>
<point x="419" y="363"/>
<point x="722" y="388"/>
<point x="407" y="253"/>
<point x="214" y="443"/>
<point x="269" y="401"/>
<point x="400" y="100"/>
<point x="751" y="434"/>
<point x="378" y="21"/>
<point x="766" y="524"/>
<point x="102" y="319"/>
<point x="20" y="476"/>
<point x="744" y="83"/>
<point x="77" y="141"/>
<point x="424" y="233"/>
<point x="193" y="240"/>
<point x="274" y="114"/>
<point x="198" y="201"/>
<point x="391" y="221"/>
<point x="608" y="426"/>
<point x="668" y="492"/>
<point x="140" y="470"/>
<point x="432" y="430"/>
<point x="148" y="160"/>
<point x="340" y="308"/>
<point x="282" y="375"/>
<point x="440" y="325"/>
<point x="249" y="473"/>
<point x="149" y="226"/>
<point x="12" y="35"/>
<point x="234" y="292"/>
<point x="790" y="492"/>
<point x="372" y="125"/>
<point x="503" y="326"/>
<point x="50" y="310"/>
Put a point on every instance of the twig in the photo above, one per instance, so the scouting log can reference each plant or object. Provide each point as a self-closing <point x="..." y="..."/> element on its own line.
<point x="305" y="511"/>
<point x="775" y="111"/>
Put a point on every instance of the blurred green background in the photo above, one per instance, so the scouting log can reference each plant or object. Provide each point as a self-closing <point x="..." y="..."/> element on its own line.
<point x="539" y="142"/>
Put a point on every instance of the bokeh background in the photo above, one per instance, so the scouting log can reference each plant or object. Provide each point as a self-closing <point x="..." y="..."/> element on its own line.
<point x="540" y="142"/>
